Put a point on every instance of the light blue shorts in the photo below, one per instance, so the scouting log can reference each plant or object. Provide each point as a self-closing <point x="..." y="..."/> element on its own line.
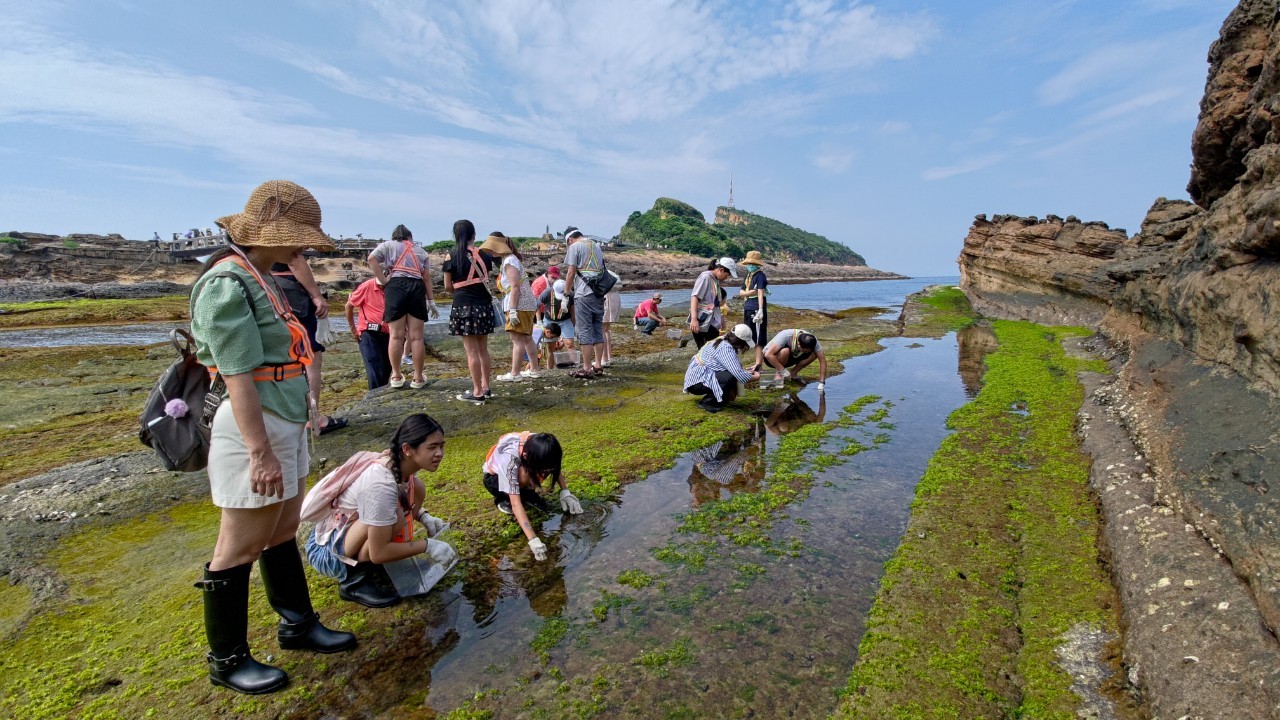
<point x="324" y="558"/>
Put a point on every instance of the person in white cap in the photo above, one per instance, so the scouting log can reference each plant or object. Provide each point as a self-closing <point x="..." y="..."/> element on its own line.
<point x="715" y="371"/>
<point x="705" y="317"/>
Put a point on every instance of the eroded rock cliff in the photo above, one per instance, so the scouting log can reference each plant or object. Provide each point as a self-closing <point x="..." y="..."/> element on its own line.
<point x="1192" y="302"/>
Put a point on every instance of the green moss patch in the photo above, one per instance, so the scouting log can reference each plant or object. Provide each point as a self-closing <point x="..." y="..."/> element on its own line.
<point x="1000" y="557"/>
<point x="83" y="311"/>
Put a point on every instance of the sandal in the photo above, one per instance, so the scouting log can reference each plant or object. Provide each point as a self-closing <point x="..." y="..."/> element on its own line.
<point x="582" y="374"/>
<point x="598" y="372"/>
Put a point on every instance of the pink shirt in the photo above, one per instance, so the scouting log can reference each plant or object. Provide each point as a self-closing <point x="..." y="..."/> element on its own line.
<point x="370" y="302"/>
<point x="646" y="307"/>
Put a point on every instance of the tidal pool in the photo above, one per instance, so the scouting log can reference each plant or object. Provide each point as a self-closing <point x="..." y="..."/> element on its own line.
<point x="764" y="628"/>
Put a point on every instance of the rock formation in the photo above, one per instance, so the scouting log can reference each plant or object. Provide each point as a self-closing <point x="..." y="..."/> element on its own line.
<point x="1193" y="303"/>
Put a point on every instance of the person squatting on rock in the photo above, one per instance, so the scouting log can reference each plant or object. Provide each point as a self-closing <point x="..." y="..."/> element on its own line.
<point x="369" y="300"/>
<point x="466" y="275"/>
<point x="365" y="510"/>
<point x="544" y="281"/>
<point x="585" y="261"/>
<point x="556" y="308"/>
<point x="518" y="304"/>
<point x="705" y="316"/>
<point x="405" y="273"/>
<point x="309" y="305"/>
<point x="791" y="351"/>
<point x="648" y="318"/>
<point x="514" y="471"/>
<point x="258" y="458"/>
<point x="715" y="370"/>
<point x="755" y="310"/>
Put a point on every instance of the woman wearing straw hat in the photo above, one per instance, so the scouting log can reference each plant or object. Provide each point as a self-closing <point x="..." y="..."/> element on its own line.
<point x="405" y="273"/>
<point x="258" y="459"/>
<point x="466" y="275"/>
<point x="755" y="313"/>
<point x="518" y="303"/>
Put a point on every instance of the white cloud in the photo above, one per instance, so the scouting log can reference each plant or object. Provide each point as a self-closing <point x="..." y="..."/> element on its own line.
<point x="834" y="163"/>
<point x="962" y="168"/>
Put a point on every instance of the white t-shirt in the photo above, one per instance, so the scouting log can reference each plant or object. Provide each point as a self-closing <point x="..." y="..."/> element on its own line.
<point x="505" y="463"/>
<point x="372" y="498"/>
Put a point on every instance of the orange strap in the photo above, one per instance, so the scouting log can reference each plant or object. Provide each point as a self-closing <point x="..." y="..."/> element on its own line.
<point x="406" y="253"/>
<point x="519" y="450"/>
<point x="405" y="533"/>
<point x="270" y="373"/>
<point x="299" y="342"/>
<point x="476" y="274"/>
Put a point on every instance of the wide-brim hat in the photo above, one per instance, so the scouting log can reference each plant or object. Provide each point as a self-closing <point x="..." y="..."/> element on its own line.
<point x="753" y="258"/>
<point x="496" y="245"/>
<point x="279" y="213"/>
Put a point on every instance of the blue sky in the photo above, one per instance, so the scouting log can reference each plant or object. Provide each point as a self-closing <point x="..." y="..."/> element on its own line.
<point x="883" y="125"/>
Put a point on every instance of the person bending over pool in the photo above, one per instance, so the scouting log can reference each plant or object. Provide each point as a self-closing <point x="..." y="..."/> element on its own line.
<point x="791" y="351"/>
<point x="716" y="370"/>
<point x="514" y="471"/>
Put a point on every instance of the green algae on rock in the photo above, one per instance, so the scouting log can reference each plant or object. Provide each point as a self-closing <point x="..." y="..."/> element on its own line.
<point x="1000" y="559"/>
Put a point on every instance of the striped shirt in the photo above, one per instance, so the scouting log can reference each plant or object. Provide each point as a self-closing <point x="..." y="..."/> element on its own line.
<point x="714" y="356"/>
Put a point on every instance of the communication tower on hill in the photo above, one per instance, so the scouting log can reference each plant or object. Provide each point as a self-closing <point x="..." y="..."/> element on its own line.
<point x="730" y="190"/>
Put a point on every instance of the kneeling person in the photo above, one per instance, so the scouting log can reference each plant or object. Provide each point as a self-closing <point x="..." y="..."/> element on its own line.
<point x="513" y="473"/>
<point x="715" y="370"/>
<point x="365" y="511"/>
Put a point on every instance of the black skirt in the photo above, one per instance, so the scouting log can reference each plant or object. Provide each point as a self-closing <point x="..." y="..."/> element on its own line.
<point x="468" y="319"/>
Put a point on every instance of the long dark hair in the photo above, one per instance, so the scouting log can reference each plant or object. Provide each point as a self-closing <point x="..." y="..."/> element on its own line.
<point x="412" y="432"/>
<point x="738" y="343"/>
<point x="464" y="233"/>
<point x="542" y="455"/>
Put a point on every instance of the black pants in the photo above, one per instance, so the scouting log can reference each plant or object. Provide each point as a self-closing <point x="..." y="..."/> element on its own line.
<point x="528" y="496"/>
<point x="706" y="335"/>
<point x="377" y="364"/>
<point x="728" y="389"/>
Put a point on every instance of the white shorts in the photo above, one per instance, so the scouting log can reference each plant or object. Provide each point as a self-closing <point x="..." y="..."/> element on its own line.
<point x="229" y="459"/>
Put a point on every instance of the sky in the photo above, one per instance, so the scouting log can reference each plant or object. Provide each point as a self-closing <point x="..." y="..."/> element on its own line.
<point x="886" y="126"/>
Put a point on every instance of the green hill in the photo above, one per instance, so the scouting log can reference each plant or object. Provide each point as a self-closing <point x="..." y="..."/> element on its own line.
<point x="675" y="225"/>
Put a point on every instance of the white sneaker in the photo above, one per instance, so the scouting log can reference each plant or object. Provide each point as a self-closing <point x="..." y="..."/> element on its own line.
<point x="530" y="373"/>
<point x="508" y="377"/>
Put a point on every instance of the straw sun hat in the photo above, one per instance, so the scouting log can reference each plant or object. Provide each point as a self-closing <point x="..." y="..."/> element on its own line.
<point x="496" y="244"/>
<point x="279" y="213"/>
<point x="753" y="258"/>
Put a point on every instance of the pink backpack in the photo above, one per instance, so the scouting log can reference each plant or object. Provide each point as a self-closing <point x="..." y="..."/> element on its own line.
<point x="322" y="500"/>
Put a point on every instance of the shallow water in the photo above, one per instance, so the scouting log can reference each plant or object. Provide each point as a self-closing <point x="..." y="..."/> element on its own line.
<point x="754" y="633"/>
<point x="887" y="294"/>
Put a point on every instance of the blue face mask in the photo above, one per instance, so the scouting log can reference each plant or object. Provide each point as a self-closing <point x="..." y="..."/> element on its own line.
<point x="753" y="268"/>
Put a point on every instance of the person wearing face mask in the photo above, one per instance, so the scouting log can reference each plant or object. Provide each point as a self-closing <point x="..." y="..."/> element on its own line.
<point x="755" y="312"/>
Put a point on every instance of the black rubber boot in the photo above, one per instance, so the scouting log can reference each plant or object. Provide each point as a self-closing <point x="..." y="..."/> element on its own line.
<point x="362" y="586"/>
<point x="226" y="622"/>
<point x="286" y="586"/>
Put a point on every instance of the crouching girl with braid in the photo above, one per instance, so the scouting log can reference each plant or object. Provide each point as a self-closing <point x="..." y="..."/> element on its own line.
<point x="365" y="510"/>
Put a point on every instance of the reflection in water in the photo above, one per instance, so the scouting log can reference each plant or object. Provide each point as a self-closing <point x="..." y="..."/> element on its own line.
<point x="504" y="579"/>
<point x="738" y="464"/>
<point x="976" y="342"/>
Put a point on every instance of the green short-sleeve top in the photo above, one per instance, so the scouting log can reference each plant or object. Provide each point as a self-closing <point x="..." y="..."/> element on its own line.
<point x="236" y="339"/>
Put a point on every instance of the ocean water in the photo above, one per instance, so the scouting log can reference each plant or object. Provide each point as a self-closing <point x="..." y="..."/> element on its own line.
<point x="887" y="294"/>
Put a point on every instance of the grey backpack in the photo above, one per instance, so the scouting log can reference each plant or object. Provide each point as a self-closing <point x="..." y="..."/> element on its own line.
<point x="177" y="418"/>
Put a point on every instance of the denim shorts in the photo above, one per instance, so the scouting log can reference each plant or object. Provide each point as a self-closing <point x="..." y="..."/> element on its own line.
<point x="324" y="558"/>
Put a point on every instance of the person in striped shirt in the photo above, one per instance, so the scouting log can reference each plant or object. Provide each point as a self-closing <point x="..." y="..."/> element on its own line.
<point x="715" y="371"/>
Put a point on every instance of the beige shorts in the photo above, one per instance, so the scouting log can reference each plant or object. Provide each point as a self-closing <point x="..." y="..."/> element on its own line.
<point x="612" y="307"/>
<point x="229" y="459"/>
<point x="523" y="324"/>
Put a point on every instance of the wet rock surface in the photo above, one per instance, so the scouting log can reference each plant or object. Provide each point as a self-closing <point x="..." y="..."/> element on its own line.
<point x="1190" y="307"/>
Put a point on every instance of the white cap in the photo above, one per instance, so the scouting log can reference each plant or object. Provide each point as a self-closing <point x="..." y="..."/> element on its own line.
<point x="728" y="264"/>
<point x="558" y="288"/>
<point x="744" y="334"/>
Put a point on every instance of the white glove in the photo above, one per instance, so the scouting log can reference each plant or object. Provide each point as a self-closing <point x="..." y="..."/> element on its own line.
<point x="569" y="503"/>
<point x="822" y="387"/>
<point x="539" y="549"/>
<point x="513" y="317"/>
<point x="432" y="311"/>
<point x="433" y="524"/>
<point x="788" y="375"/>
<point x="758" y="317"/>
